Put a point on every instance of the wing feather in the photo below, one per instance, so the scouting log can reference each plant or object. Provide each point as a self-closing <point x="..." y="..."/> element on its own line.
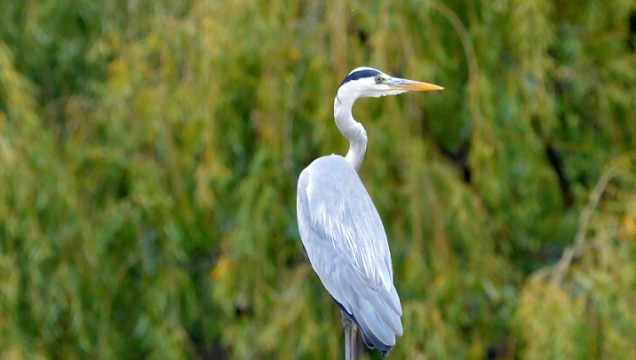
<point x="347" y="246"/>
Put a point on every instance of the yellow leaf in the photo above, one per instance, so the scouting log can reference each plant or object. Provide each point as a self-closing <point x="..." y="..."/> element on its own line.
<point x="630" y="225"/>
<point x="220" y="268"/>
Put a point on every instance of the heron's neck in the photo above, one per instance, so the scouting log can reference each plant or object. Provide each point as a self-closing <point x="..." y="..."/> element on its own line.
<point x="351" y="129"/>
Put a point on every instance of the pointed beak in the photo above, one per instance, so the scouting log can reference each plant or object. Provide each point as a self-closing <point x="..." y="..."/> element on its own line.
<point x="410" y="85"/>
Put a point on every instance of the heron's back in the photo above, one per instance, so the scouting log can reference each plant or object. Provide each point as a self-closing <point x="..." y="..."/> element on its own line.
<point x="345" y="242"/>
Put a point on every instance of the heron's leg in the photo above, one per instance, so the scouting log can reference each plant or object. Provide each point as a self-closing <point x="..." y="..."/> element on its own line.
<point x="350" y="330"/>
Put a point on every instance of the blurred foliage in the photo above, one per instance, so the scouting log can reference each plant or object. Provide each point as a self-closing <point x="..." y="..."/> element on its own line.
<point x="149" y="152"/>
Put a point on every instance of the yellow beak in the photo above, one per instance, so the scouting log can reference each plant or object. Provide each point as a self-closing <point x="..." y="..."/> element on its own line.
<point x="404" y="84"/>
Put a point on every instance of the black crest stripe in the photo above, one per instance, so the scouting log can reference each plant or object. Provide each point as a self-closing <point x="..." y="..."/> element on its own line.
<point x="359" y="75"/>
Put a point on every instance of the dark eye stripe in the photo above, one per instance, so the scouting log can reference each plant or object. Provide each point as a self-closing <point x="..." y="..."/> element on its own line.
<point x="359" y="75"/>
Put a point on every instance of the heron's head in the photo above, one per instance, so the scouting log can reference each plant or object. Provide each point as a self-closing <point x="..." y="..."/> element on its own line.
<point x="370" y="82"/>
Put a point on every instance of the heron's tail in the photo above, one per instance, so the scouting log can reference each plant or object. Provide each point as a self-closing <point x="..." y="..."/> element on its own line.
<point x="371" y="333"/>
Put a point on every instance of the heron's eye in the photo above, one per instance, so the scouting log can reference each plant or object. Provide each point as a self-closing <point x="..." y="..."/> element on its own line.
<point x="378" y="79"/>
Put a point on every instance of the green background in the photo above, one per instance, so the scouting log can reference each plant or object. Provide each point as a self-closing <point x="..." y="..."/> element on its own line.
<point x="149" y="152"/>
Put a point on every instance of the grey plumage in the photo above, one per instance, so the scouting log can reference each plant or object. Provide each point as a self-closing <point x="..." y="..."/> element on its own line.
<point x="347" y="247"/>
<point x="341" y="229"/>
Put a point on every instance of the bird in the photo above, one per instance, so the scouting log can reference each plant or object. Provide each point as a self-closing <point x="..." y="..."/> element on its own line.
<point x="340" y="228"/>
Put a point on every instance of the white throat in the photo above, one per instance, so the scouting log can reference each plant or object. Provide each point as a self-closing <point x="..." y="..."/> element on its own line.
<point x="350" y="128"/>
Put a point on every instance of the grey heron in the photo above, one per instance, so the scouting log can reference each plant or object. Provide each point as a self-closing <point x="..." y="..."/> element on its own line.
<point x="341" y="230"/>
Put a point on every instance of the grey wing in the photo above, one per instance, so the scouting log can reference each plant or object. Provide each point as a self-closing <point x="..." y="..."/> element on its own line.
<point x="345" y="242"/>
